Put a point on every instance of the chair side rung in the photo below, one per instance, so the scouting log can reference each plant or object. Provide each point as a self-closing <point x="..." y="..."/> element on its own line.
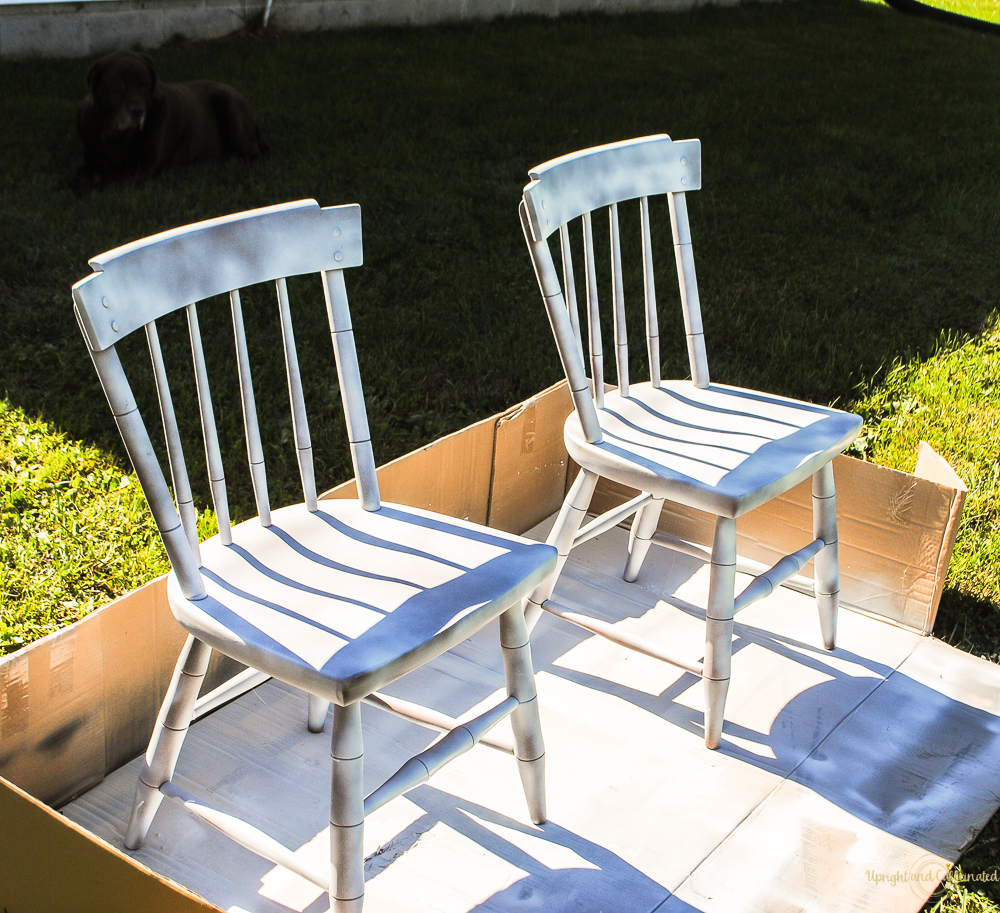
<point x="611" y="519"/>
<point x="421" y="767"/>
<point x="744" y="565"/>
<point x="246" y="835"/>
<point x="615" y="635"/>
<point x="431" y="719"/>
<point x="229" y="690"/>
<point x="765" y="584"/>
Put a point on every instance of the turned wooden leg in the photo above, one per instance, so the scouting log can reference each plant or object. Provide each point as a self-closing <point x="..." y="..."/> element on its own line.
<point x="347" y="811"/>
<point x="640" y="537"/>
<point x="826" y="562"/>
<point x="168" y="737"/>
<point x="563" y="532"/>
<point x="529" y="747"/>
<point x="719" y="629"/>
<point x="316" y="717"/>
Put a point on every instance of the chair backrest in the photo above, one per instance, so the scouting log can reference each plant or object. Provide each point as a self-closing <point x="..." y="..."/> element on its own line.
<point x="572" y="187"/>
<point x="135" y="285"/>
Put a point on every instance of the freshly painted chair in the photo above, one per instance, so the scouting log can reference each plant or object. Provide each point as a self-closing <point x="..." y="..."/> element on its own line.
<point x="337" y="597"/>
<point x="717" y="448"/>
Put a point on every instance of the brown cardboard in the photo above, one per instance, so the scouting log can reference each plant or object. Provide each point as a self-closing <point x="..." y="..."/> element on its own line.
<point x="530" y="461"/>
<point x="52" y="714"/>
<point x="450" y="476"/>
<point x="79" y="703"/>
<point x="51" y="865"/>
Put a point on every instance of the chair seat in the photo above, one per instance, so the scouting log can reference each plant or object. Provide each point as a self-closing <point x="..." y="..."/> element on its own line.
<point x="342" y="601"/>
<point x="722" y="449"/>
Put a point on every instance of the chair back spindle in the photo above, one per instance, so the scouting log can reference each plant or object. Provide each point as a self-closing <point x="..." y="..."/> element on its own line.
<point x="593" y="313"/>
<point x="621" y="334"/>
<point x="147" y="468"/>
<point x="209" y="433"/>
<point x="567" y="343"/>
<point x="569" y="284"/>
<point x="688" y="283"/>
<point x="649" y="287"/>
<point x="175" y="452"/>
<point x="255" y="451"/>
<point x="300" y="423"/>
<point x="351" y="392"/>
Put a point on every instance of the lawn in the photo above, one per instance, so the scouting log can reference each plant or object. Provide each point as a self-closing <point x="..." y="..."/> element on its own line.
<point x="846" y="239"/>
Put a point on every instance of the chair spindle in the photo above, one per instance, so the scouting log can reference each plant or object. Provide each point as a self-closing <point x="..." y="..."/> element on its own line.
<point x="213" y="456"/>
<point x="593" y="312"/>
<point x="688" y="283"/>
<point x="350" y="389"/>
<point x="569" y="284"/>
<point x="570" y="351"/>
<point x="147" y="468"/>
<point x="175" y="451"/>
<point x="649" y="284"/>
<point x="621" y="333"/>
<point x="300" y="424"/>
<point x="255" y="452"/>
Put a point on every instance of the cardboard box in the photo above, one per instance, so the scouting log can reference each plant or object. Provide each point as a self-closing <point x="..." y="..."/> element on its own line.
<point x="77" y="704"/>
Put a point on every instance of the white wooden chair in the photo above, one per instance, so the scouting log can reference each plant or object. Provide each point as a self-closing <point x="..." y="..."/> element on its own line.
<point x="720" y="449"/>
<point x="337" y="597"/>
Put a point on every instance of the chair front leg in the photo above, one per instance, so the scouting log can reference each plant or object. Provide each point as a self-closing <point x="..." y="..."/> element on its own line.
<point x="562" y="534"/>
<point x="168" y="737"/>
<point x="826" y="562"/>
<point x="529" y="747"/>
<point x="640" y="537"/>
<point x="719" y="629"/>
<point x="347" y="811"/>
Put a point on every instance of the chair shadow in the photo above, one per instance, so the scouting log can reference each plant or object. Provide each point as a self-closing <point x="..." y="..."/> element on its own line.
<point x="598" y="882"/>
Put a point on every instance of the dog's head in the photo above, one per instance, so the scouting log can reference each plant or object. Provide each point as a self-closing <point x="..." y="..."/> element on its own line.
<point x="122" y="86"/>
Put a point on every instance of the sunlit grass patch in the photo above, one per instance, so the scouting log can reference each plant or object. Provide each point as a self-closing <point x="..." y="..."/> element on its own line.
<point x="75" y="531"/>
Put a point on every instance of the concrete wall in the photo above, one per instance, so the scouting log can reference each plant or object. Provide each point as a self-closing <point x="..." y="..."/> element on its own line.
<point x="56" y="29"/>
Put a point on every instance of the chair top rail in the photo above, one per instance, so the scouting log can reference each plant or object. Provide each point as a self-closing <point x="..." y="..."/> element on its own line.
<point x="567" y="187"/>
<point x="209" y="258"/>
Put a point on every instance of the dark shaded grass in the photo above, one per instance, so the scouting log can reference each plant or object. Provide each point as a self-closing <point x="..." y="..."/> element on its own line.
<point x="849" y="211"/>
<point x="850" y="214"/>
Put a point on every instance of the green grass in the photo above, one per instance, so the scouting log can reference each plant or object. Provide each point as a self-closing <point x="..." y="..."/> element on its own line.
<point x="846" y="238"/>
<point x="76" y="531"/>
<point x="978" y="9"/>
<point x="987" y="10"/>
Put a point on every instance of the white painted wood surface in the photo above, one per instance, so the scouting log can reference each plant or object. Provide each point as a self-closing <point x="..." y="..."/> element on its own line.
<point x="881" y="756"/>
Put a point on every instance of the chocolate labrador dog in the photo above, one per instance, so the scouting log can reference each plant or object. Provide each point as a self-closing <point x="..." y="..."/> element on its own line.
<point x="133" y="125"/>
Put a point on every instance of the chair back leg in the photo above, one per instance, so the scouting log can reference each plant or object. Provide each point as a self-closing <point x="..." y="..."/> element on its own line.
<point x="640" y="537"/>
<point x="529" y="747"/>
<point x="719" y="628"/>
<point x="562" y="534"/>
<point x="826" y="562"/>
<point x="316" y="715"/>
<point x="168" y="737"/>
<point x="347" y="811"/>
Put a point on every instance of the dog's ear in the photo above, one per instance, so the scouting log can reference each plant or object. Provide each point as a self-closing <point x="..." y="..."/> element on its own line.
<point x="146" y="59"/>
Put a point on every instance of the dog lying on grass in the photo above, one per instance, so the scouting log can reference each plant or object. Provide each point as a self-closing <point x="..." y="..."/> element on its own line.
<point x="133" y="125"/>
